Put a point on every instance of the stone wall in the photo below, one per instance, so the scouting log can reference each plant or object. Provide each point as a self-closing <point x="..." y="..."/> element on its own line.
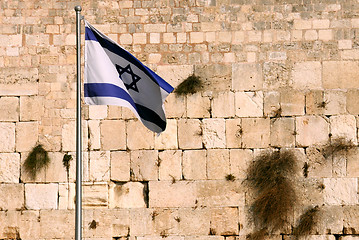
<point x="277" y="74"/>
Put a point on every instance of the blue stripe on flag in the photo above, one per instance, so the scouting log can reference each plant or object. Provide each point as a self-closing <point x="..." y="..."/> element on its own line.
<point x="110" y="90"/>
<point x="94" y="36"/>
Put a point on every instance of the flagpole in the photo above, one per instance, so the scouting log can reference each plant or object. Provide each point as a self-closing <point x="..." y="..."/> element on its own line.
<point x="78" y="206"/>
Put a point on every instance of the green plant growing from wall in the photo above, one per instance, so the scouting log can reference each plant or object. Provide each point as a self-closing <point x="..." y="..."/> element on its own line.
<point x="190" y="85"/>
<point x="307" y="221"/>
<point x="37" y="160"/>
<point x="269" y="175"/>
<point x="66" y="163"/>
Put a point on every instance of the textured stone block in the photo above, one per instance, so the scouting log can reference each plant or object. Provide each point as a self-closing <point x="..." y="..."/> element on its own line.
<point x="120" y="166"/>
<point x="292" y="102"/>
<point x="67" y="195"/>
<point x="170" y="165"/>
<point x="276" y="75"/>
<point x="311" y="130"/>
<point x="239" y="160"/>
<point x="282" y="132"/>
<point x="99" y="166"/>
<point x="175" y="74"/>
<point x="247" y="76"/>
<point x="194" y="164"/>
<point x="113" y="135"/>
<point x="166" y="222"/>
<point x="190" y="134"/>
<point x="249" y="104"/>
<point x="353" y="163"/>
<point x="271" y="104"/>
<point x="315" y="102"/>
<point x="61" y="222"/>
<point x="138" y="136"/>
<point x="175" y="106"/>
<point x="214" y="133"/>
<point x="95" y="195"/>
<point x="97" y="111"/>
<point x="223" y="105"/>
<point x="168" y="138"/>
<point x="153" y="28"/>
<point x="330" y="220"/>
<point x="340" y="74"/>
<point x="144" y="165"/>
<point x="218" y="166"/>
<point x="41" y="196"/>
<point x="318" y="166"/>
<point x="256" y="132"/>
<point x="198" y="106"/>
<point x="166" y="194"/>
<point x="215" y="77"/>
<point x="141" y="222"/>
<point x="233" y="133"/>
<point x="9" y="167"/>
<point x="128" y="195"/>
<point x="340" y="191"/>
<point x="9" y="108"/>
<point x="69" y="136"/>
<point x="334" y="102"/>
<point x="11" y="196"/>
<point x="352" y="101"/>
<point x="351" y="219"/>
<point x="26" y="135"/>
<point x="224" y="221"/>
<point x="55" y="171"/>
<point x="344" y="126"/>
<point x="7" y="137"/>
<point x="94" y="134"/>
<point x="194" y="221"/>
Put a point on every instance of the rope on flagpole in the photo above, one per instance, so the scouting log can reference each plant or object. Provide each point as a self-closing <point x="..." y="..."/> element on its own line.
<point x="78" y="206"/>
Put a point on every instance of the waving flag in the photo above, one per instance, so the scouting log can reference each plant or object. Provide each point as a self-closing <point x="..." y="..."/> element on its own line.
<point x="114" y="77"/>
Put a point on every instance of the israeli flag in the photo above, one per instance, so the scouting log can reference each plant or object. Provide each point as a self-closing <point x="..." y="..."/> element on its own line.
<point x="114" y="77"/>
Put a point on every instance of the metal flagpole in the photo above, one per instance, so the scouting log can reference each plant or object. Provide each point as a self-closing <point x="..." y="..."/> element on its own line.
<point x="78" y="207"/>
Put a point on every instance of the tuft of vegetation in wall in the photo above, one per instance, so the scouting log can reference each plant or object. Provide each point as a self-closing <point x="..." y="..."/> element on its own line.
<point x="66" y="163"/>
<point x="307" y="222"/>
<point x="269" y="175"/>
<point x="190" y="85"/>
<point x="37" y="160"/>
<point x="337" y="145"/>
<point x="258" y="235"/>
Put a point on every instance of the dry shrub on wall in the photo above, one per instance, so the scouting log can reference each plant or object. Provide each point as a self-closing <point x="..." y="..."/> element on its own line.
<point x="190" y="85"/>
<point x="37" y="160"/>
<point x="337" y="145"/>
<point x="269" y="175"/>
<point x="307" y="222"/>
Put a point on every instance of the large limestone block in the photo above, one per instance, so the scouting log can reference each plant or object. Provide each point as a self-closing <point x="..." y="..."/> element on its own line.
<point x="307" y="75"/>
<point x="223" y="105"/>
<point x="234" y="133"/>
<point x="340" y="74"/>
<point x="194" y="221"/>
<point x="7" y="137"/>
<point x="11" y="196"/>
<point x="194" y="164"/>
<point x="61" y="222"/>
<point x="330" y="220"/>
<point x="128" y="195"/>
<point x="141" y="222"/>
<point x="138" y="136"/>
<point x="67" y="195"/>
<point x="247" y="76"/>
<point x="175" y="106"/>
<point x="344" y="126"/>
<point x="351" y="219"/>
<point x="113" y="135"/>
<point x="315" y="102"/>
<point x="334" y="102"/>
<point x="340" y="191"/>
<point x="352" y="101"/>
<point x="166" y="222"/>
<point x="282" y="132"/>
<point x="97" y="111"/>
<point x="120" y="166"/>
<point x="55" y="171"/>
<point x="190" y="134"/>
<point x="99" y="166"/>
<point x="256" y="132"/>
<point x="198" y="106"/>
<point x="94" y="134"/>
<point x="69" y="136"/>
<point x="170" y="165"/>
<point x="276" y="75"/>
<point x="31" y="108"/>
<point x="292" y="102"/>
<point x="9" y="108"/>
<point x="216" y="78"/>
<point x="218" y="163"/>
<point x="29" y="225"/>
<point x="17" y="81"/>
<point x="271" y="103"/>
<point x="318" y="166"/>
<point x="249" y="104"/>
<point x="310" y="191"/>
<point x="353" y="163"/>
<point x="168" y="138"/>
<point x="26" y="136"/>
<point x="175" y="74"/>
<point x="224" y="221"/>
<point x="214" y="133"/>
<point x="95" y="195"/>
<point x="166" y="194"/>
<point x="239" y="160"/>
<point x="144" y="165"/>
<point x="311" y="130"/>
<point x="220" y="193"/>
<point x="9" y="167"/>
<point x="41" y="196"/>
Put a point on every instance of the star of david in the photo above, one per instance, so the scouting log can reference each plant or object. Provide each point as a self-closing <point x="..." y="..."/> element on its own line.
<point x="135" y="78"/>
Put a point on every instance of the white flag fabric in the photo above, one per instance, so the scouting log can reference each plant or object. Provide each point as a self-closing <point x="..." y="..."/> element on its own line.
<point x="114" y="77"/>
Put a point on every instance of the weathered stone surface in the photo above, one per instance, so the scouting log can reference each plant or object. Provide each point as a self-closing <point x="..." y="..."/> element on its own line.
<point x="170" y="165"/>
<point x="318" y="165"/>
<point x="7" y="137"/>
<point x="138" y="136"/>
<point x="311" y="130"/>
<point x="255" y="132"/>
<point x="217" y="163"/>
<point x="120" y="166"/>
<point x="11" y="196"/>
<point x="99" y="166"/>
<point x="276" y="75"/>
<point x="168" y="138"/>
<point x="9" y="108"/>
<point x="190" y="134"/>
<point x="352" y="163"/>
<point x="351" y="219"/>
<point x="166" y="222"/>
<point x="239" y="160"/>
<point x="113" y="135"/>
<point x="282" y="132"/>
<point x="61" y="222"/>
<point x="224" y="221"/>
<point x="247" y="76"/>
<point x="214" y="133"/>
<point x="94" y="134"/>
<point x="175" y="106"/>
<point x="271" y="103"/>
<point x="194" y="221"/>
<point x="307" y="75"/>
<point x="41" y="196"/>
<point x="223" y="105"/>
<point x="97" y="111"/>
<point x="340" y="191"/>
<point x="330" y="220"/>
<point x="26" y="136"/>
<point x="216" y="77"/>
<point x="351" y="101"/>
<point x="55" y="171"/>
<point x="292" y="102"/>
<point x="141" y="222"/>
<point x="168" y="194"/>
<point x="144" y="165"/>
<point x="128" y="195"/>
<point x="334" y="102"/>
<point x="233" y="133"/>
<point x="175" y="74"/>
<point x="31" y="108"/>
<point x="67" y="195"/>
<point x="340" y="74"/>
<point x="315" y="102"/>
<point x="16" y="81"/>
<point x="344" y="126"/>
<point x="198" y="106"/>
<point x="249" y="104"/>
<point x="194" y="164"/>
<point x="95" y="195"/>
<point x="9" y="167"/>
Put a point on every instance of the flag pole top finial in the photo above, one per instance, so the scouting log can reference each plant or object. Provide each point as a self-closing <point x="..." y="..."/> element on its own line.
<point x="78" y="8"/>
